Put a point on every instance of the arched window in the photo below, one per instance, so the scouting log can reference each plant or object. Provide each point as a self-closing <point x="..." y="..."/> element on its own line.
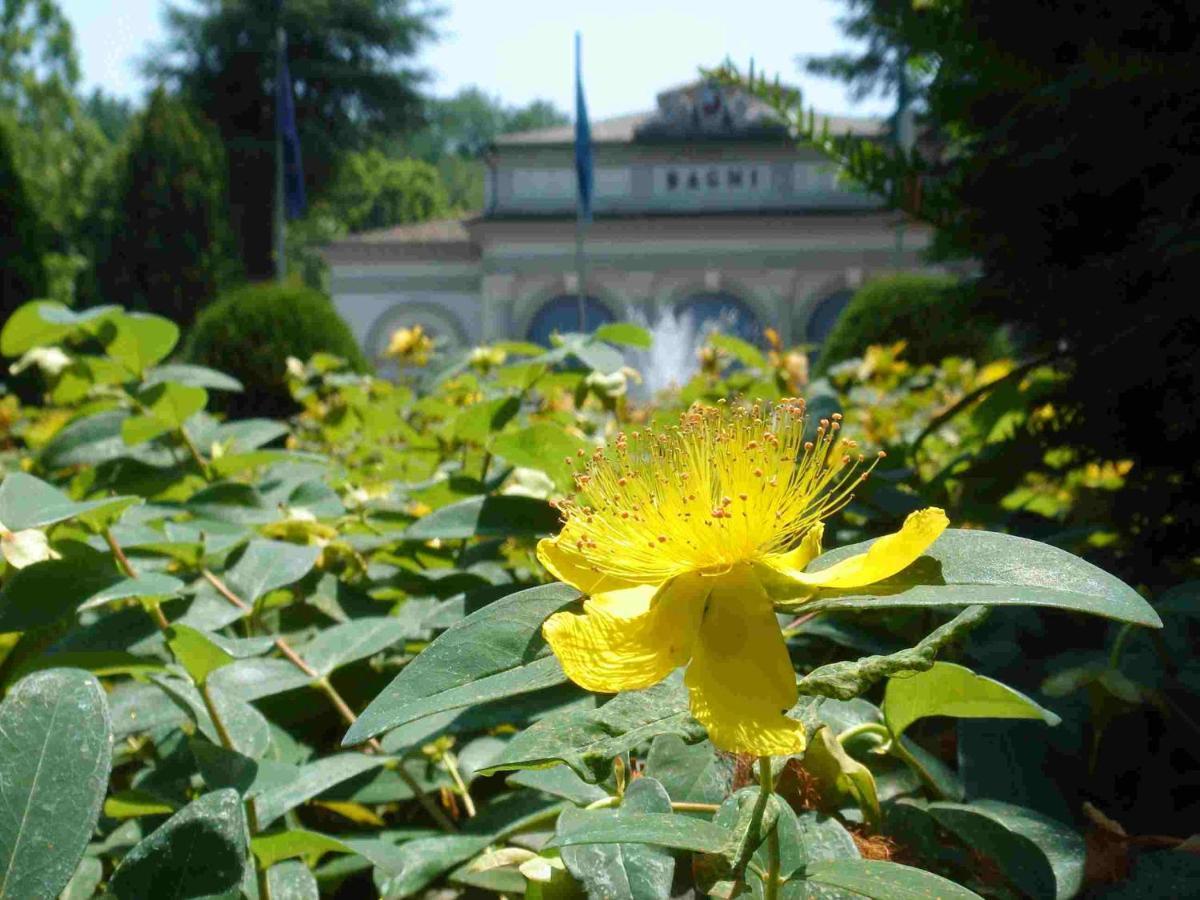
<point x="720" y="311"/>
<point x="825" y="316"/>
<point x="561" y="314"/>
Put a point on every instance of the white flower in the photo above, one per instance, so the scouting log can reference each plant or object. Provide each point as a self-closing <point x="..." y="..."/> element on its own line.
<point x="24" y="548"/>
<point x="51" y="360"/>
<point x="296" y="368"/>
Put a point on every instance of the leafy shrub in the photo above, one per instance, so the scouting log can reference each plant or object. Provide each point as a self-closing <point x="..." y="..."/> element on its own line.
<point x="251" y="331"/>
<point x="932" y="314"/>
<point x="168" y="245"/>
<point x="323" y="667"/>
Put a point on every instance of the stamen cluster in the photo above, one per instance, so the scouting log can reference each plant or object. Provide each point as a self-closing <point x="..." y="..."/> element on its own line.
<point x="730" y="483"/>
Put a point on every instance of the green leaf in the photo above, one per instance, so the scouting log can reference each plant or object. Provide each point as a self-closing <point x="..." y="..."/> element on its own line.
<point x="492" y="652"/>
<point x="43" y="322"/>
<point x="543" y="446"/>
<point x="253" y="679"/>
<point x="559" y="781"/>
<point x="47" y="591"/>
<point x="198" y="852"/>
<point x="221" y="768"/>
<point x="267" y="565"/>
<point x="135" y="804"/>
<point x="624" y="333"/>
<point x="85" y="881"/>
<point x="270" y="849"/>
<point x="312" y="779"/>
<point x="842" y="776"/>
<point x="596" y="355"/>
<point x="691" y="773"/>
<point x="248" y="730"/>
<point x="479" y="422"/>
<point x="965" y="568"/>
<point x="28" y="502"/>
<point x="192" y="376"/>
<point x="608" y="826"/>
<point x="291" y="880"/>
<point x="423" y="860"/>
<point x="95" y="439"/>
<point x="745" y="353"/>
<point x="952" y="690"/>
<point x="342" y="644"/>
<point x="879" y="880"/>
<point x="622" y="871"/>
<point x="196" y="652"/>
<point x="167" y="407"/>
<point x="587" y="740"/>
<point x="139" y="340"/>
<point x="848" y="679"/>
<point x="1041" y="857"/>
<point x="502" y="516"/>
<point x="55" y="740"/>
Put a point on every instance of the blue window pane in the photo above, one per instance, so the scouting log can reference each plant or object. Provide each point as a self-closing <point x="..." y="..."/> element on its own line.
<point x="562" y="315"/>
<point x="722" y="312"/>
<point x="825" y="316"/>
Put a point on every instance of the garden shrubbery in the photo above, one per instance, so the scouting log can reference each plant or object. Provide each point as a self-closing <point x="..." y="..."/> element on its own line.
<point x="345" y="654"/>
<point x="251" y="331"/>
<point x="932" y="314"/>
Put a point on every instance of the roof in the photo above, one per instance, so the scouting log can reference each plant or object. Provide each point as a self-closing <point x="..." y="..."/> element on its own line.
<point x="700" y="111"/>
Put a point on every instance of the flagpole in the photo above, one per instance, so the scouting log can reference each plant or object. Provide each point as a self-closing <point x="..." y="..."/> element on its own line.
<point x="583" y="194"/>
<point x="280" y="212"/>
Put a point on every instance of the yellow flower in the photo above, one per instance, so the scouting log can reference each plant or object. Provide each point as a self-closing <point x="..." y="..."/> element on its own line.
<point x="484" y="359"/>
<point x="410" y="345"/>
<point x="673" y="535"/>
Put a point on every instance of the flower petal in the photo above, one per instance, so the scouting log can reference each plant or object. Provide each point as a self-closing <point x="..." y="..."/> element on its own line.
<point x="741" y="679"/>
<point x="628" y="639"/>
<point x="573" y="569"/>
<point x="793" y="562"/>
<point x="24" y="548"/>
<point x="887" y="556"/>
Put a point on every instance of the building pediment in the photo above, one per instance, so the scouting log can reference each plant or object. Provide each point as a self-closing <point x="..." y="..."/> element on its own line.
<point x="709" y="111"/>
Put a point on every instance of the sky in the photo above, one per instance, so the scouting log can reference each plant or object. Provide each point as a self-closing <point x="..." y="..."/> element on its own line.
<point x="521" y="50"/>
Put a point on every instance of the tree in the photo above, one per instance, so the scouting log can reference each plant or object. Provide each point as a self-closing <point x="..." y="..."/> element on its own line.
<point x="167" y="246"/>
<point x="353" y="82"/>
<point x="374" y="191"/>
<point x="22" y="237"/>
<point x="1086" y="239"/>
<point x="113" y="115"/>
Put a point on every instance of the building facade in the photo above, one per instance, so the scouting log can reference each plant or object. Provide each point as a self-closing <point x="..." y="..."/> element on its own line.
<point x="703" y="208"/>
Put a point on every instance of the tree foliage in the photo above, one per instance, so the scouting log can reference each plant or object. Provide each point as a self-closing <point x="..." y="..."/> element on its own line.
<point x="353" y="81"/>
<point x="375" y="191"/>
<point x="22" y="236"/>
<point x="167" y="247"/>
<point x="1085" y="242"/>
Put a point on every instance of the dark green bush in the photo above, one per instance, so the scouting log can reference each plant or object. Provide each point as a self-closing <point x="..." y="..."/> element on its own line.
<point x="937" y="315"/>
<point x="168" y="246"/>
<point x="251" y="331"/>
<point x="22" y="236"/>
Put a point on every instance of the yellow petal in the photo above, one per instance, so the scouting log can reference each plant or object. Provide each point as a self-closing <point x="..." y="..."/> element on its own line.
<point x="794" y="561"/>
<point x="741" y="680"/>
<point x="887" y="556"/>
<point x="628" y="639"/>
<point x="573" y="569"/>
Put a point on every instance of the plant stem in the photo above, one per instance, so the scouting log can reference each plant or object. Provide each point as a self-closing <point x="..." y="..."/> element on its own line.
<point x="197" y="457"/>
<point x="766" y="787"/>
<point x="126" y="566"/>
<point x="325" y="686"/>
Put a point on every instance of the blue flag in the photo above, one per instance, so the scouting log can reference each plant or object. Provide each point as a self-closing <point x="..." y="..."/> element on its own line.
<point x="285" y="127"/>
<point x="583" y="144"/>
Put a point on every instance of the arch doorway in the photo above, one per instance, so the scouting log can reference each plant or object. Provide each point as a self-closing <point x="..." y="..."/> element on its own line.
<point x="561" y="314"/>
